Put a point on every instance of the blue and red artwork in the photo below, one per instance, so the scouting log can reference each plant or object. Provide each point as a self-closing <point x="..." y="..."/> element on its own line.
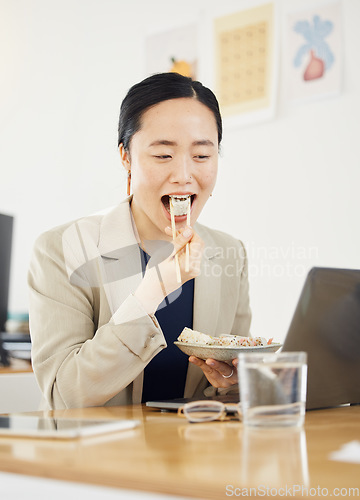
<point x="315" y="49"/>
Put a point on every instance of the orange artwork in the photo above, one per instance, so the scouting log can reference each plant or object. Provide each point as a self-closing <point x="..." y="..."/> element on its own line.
<point x="183" y="67"/>
<point x="173" y="50"/>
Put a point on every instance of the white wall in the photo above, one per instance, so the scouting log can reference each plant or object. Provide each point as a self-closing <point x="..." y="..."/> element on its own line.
<point x="288" y="187"/>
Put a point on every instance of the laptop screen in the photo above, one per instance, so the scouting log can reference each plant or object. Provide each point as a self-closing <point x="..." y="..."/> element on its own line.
<point x="326" y="324"/>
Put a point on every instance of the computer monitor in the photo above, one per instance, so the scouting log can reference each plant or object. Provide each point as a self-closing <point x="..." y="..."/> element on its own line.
<point x="6" y="231"/>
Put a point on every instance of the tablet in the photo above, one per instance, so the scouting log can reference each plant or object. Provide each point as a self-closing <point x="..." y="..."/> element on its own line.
<point x="61" y="428"/>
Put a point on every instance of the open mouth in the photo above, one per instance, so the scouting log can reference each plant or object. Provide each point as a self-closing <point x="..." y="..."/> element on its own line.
<point x="179" y="203"/>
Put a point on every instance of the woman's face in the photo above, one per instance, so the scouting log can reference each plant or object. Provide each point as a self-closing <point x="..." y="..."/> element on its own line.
<point x="175" y="152"/>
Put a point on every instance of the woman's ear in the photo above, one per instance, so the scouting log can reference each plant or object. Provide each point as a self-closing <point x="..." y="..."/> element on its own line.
<point x="125" y="157"/>
<point x="125" y="160"/>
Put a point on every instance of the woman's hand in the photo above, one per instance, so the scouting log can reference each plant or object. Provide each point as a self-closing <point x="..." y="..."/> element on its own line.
<point x="219" y="374"/>
<point x="160" y="280"/>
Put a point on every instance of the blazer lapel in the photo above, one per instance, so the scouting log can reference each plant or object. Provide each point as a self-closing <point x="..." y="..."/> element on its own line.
<point x="206" y="304"/>
<point x="120" y="256"/>
<point x="117" y="230"/>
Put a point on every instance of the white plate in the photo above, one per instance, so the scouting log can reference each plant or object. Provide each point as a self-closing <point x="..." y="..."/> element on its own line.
<point x="222" y="353"/>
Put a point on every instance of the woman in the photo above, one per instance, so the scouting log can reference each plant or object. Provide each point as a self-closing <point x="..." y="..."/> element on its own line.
<point x="106" y="302"/>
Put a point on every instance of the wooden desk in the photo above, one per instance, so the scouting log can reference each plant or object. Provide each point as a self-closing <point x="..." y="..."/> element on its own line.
<point x="16" y="366"/>
<point x="168" y="455"/>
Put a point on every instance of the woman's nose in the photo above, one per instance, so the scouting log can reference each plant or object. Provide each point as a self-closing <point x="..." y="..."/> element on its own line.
<point x="182" y="171"/>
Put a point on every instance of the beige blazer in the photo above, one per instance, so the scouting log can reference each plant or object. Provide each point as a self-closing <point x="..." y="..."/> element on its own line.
<point x="91" y="338"/>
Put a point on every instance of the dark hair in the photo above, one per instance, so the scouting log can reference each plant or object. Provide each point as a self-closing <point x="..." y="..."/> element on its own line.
<point x="155" y="89"/>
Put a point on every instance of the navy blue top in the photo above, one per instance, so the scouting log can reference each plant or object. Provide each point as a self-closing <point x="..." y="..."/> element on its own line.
<point x="164" y="376"/>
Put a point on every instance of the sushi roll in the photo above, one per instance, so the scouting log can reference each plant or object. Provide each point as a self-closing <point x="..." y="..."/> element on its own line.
<point x="193" y="337"/>
<point x="180" y="203"/>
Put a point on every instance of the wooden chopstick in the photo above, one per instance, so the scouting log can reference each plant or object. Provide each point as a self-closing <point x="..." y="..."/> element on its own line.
<point x="187" y="257"/>
<point x="173" y="227"/>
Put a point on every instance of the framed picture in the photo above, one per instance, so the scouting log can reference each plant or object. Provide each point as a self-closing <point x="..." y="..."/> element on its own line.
<point x="245" y="62"/>
<point x="313" y="56"/>
<point x="173" y="50"/>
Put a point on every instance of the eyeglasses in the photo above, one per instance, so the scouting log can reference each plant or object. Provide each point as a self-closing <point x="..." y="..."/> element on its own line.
<point x="208" y="411"/>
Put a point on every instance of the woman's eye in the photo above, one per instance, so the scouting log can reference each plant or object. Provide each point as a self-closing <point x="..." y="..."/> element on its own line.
<point x="163" y="157"/>
<point x="202" y="157"/>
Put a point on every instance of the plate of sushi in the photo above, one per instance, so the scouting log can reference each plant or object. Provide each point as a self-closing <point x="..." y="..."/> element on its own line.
<point x="222" y="348"/>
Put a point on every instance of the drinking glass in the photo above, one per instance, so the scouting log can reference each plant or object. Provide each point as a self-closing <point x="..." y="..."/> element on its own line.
<point x="273" y="388"/>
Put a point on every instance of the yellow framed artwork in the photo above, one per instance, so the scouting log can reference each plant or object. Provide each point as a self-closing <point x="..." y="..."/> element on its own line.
<point x="245" y="62"/>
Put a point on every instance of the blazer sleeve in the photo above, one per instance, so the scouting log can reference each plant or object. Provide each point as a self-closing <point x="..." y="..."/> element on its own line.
<point x="76" y="362"/>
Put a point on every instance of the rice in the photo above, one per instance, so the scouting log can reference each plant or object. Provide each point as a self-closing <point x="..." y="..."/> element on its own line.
<point x="193" y="337"/>
<point x="180" y="205"/>
<point x="237" y="341"/>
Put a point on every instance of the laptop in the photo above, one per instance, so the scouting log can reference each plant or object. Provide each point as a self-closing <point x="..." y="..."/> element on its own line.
<point x="326" y="325"/>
